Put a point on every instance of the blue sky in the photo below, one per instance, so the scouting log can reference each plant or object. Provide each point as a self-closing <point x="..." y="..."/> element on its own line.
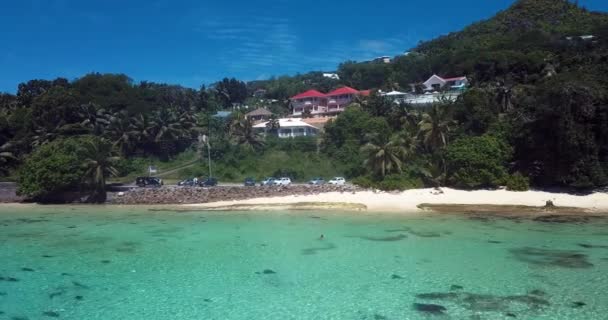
<point x="193" y="42"/>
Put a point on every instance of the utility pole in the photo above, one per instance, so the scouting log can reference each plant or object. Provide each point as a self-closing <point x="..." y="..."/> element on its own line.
<point x="204" y="139"/>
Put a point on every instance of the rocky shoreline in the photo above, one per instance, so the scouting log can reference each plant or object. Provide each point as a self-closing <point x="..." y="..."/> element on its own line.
<point x="193" y="195"/>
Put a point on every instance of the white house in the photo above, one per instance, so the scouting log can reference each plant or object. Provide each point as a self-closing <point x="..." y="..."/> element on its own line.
<point x="334" y="76"/>
<point x="383" y="59"/>
<point x="290" y="128"/>
<point x="436" y="83"/>
<point x="394" y="95"/>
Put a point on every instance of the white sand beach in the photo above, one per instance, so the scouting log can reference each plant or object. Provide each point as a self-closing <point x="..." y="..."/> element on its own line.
<point x="408" y="201"/>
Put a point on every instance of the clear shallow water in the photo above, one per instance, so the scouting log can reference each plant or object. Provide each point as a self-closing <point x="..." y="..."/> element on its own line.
<point x="132" y="263"/>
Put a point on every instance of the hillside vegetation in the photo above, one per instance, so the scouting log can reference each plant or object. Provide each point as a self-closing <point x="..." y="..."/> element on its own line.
<point x="536" y="112"/>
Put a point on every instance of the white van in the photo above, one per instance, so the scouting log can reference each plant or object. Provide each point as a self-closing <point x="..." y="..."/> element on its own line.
<point x="282" y="181"/>
<point x="338" y="181"/>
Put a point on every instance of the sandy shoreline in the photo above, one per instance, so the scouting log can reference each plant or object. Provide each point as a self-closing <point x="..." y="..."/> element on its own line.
<point x="408" y="201"/>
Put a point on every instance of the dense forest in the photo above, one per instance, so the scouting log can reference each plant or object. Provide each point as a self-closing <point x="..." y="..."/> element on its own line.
<point x="536" y="114"/>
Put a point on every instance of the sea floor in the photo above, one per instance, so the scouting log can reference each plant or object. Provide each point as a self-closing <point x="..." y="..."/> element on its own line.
<point x="82" y="262"/>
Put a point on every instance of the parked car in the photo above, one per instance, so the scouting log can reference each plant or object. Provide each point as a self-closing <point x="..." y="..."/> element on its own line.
<point x="338" y="181"/>
<point x="209" y="182"/>
<point x="317" y="181"/>
<point x="249" y="182"/>
<point x="148" y="182"/>
<point x="268" y="181"/>
<point x="188" y="183"/>
<point x="282" y="181"/>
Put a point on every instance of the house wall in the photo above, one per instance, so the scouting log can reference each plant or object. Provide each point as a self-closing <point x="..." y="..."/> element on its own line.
<point x="293" y="132"/>
<point x="341" y="101"/>
<point x="433" y="81"/>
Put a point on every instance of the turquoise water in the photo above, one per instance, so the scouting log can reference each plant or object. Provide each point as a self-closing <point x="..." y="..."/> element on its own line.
<point x="134" y="263"/>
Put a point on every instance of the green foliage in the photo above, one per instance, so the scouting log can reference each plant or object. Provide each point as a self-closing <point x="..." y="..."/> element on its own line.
<point x="231" y="91"/>
<point x="71" y="164"/>
<point x="344" y="137"/>
<point x="284" y="87"/>
<point x="475" y="111"/>
<point x="537" y="88"/>
<point x="477" y="162"/>
<point x="564" y="141"/>
<point x="385" y="155"/>
<point x="517" y="182"/>
<point x="364" y="75"/>
<point x="393" y="182"/>
<point x="52" y="169"/>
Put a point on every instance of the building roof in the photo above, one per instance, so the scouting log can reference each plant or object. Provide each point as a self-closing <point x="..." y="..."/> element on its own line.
<point x="287" y="123"/>
<point x="454" y="79"/>
<point x="259" y="112"/>
<point x="309" y="94"/>
<point x="394" y="93"/>
<point x="222" y="114"/>
<point x="319" y="123"/>
<point x="365" y="93"/>
<point x="341" y="91"/>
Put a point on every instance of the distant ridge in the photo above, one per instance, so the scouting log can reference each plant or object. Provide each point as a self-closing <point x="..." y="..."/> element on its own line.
<point x="551" y="18"/>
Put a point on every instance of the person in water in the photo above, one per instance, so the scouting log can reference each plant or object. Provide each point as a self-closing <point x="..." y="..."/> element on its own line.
<point x="321" y="237"/>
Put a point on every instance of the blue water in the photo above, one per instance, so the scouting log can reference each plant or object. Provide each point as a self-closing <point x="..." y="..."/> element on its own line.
<point x="136" y="263"/>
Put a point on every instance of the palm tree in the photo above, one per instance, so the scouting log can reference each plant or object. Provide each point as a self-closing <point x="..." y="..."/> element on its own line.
<point x="435" y="127"/>
<point x="99" y="165"/>
<point x="44" y="135"/>
<point x="93" y="118"/>
<point x="388" y="155"/>
<point x="6" y="157"/>
<point x="142" y="128"/>
<point x="168" y="128"/>
<point x="243" y="133"/>
<point x="120" y="132"/>
<point x="435" y="172"/>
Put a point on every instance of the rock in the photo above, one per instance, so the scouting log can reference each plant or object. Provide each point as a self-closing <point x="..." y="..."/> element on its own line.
<point x="51" y="314"/>
<point x="434" y="309"/>
<point x="174" y="195"/>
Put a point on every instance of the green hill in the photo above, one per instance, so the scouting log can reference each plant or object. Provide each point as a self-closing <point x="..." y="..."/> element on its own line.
<point x="525" y="21"/>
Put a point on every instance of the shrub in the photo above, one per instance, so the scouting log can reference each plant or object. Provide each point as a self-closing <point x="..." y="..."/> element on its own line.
<point x="393" y="182"/>
<point x="477" y="162"/>
<point x="399" y="182"/>
<point x="363" y="182"/>
<point x="517" y="182"/>
<point x="52" y="169"/>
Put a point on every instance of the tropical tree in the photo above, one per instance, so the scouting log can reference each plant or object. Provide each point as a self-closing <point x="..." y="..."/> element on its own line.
<point x="435" y="126"/>
<point x="142" y="129"/>
<point x="7" y="157"/>
<point x="170" y="127"/>
<point x="387" y="155"/>
<point x="121" y="133"/>
<point x="94" y="119"/>
<point x="243" y="133"/>
<point x="99" y="164"/>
